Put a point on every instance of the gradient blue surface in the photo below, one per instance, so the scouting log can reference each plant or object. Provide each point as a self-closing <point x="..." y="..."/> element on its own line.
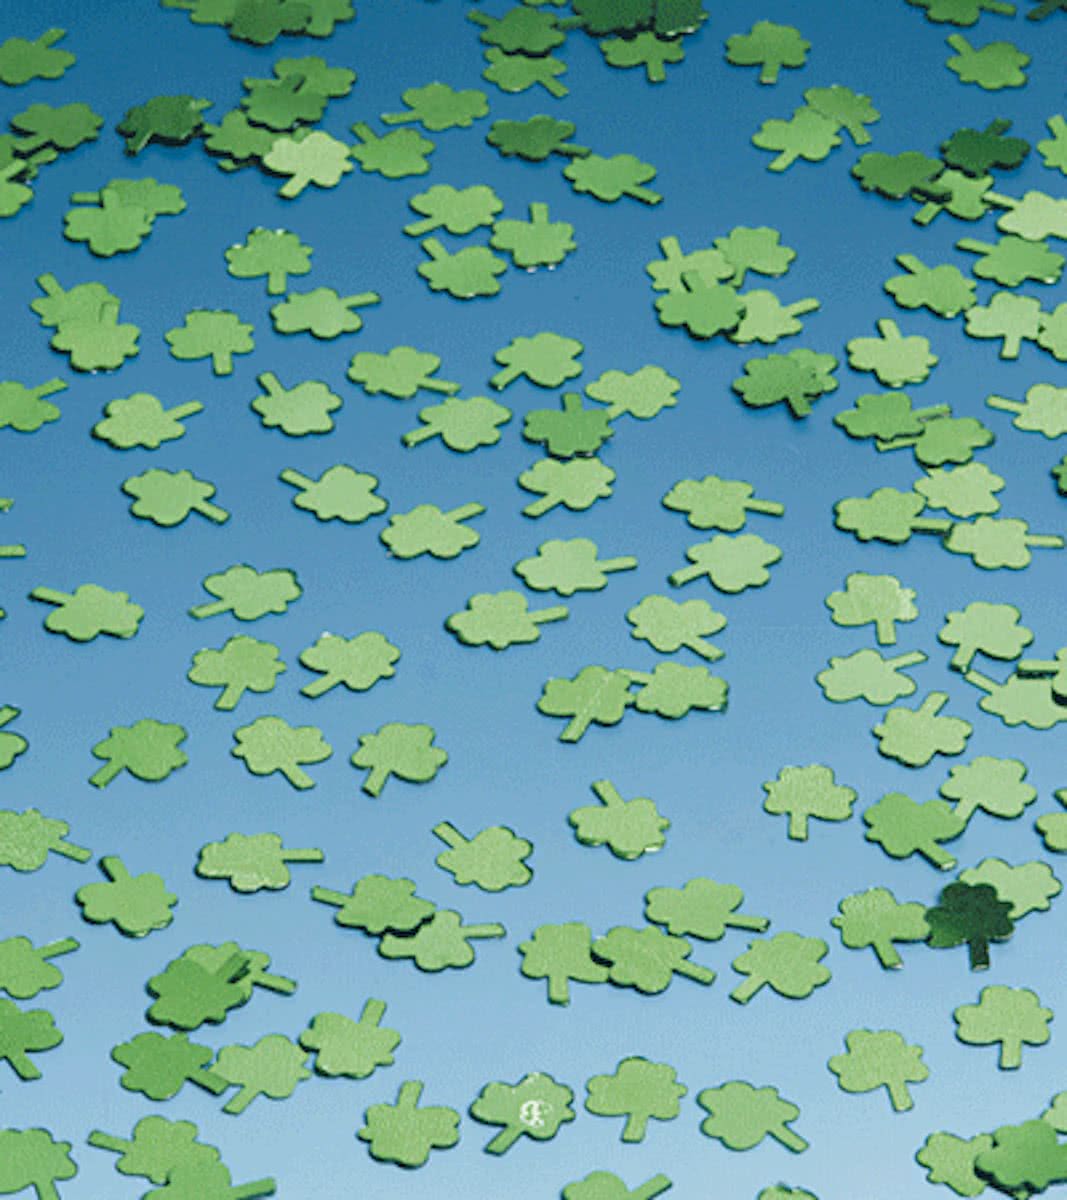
<point x="462" y="1029"/>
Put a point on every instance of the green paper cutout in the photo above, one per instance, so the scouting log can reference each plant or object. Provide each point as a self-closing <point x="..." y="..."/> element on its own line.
<point x="406" y="751"/>
<point x="400" y="373"/>
<point x="211" y="333"/>
<point x="469" y="272"/>
<point x="189" y="994"/>
<point x="519" y="72"/>
<point x="1009" y="317"/>
<point x="950" y="1160"/>
<point x="783" y="1192"/>
<point x="520" y="31"/>
<point x="803" y="793"/>
<point x="903" y="827"/>
<point x="22" y="60"/>
<point x="274" y="253"/>
<point x="914" y="735"/>
<point x="247" y="593"/>
<point x="666" y="273"/>
<point x="1013" y="260"/>
<point x="213" y="1181"/>
<point x="405" y="1134"/>
<point x="270" y="744"/>
<point x="887" y="416"/>
<point x="159" y="1065"/>
<point x="956" y="193"/>
<point x="866" y="675"/>
<point x="796" y="378"/>
<point x="604" y="1185"/>
<point x="570" y="565"/>
<point x="1029" y="887"/>
<point x="609" y="179"/>
<point x="329" y="81"/>
<point x="1053" y="150"/>
<point x="358" y="663"/>
<point x="321" y="312"/>
<point x="109" y="228"/>
<point x="887" y="515"/>
<point x="598" y="17"/>
<point x="991" y="785"/>
<point x="559" y="954"/>
<point x="537" y="242"/>
<point x="878" y="600"/>
<point x="500" y="620"/>
<point x="1024" y="1158"/>
<point x="1053" y="335"/>
<point x="27" y="837"/>
<point x="1053" y="669"/>
<point x="140" y="421"/>
<point x="767" y="319"/>
<point x="242" y="664"/>
<point x="173" y="120"/>
<point x="1019" y="701"/>
<point x="23" y="1033"/>
<point x="991" y="629"/>
<point x="166" y="498"/>
<point x="702" y="908"/>
<point x="298" y="410"/>
<point x="394" y="155"/>
<point x="65" y="127"/>
<point x="135" y="904"/>
<point x="962" y="12"/>
<point x="741" y="1116"/>
<point x="1053" y="827"/>
<point x="272" y="1067"/>
<point x="547" y="359"/>
<point x="1035" y="217"/>
<point x="378" y="904"/>
<point x="262" y="21"/>
<point x="848" y="110"/>
<point x="770" y="47"/>
<point x="944" y="289"/>
<point x="971" y="915"/>
<point x="638" y="1090"/>
<point x="787" y="962"/>
<point x="875" y="918"/>
<point x="26" y="970"/>
<point x="315" y="158"/>
<point x="252" y="862"/>
<point x="596" y="695"/>
<point x="647" y="959"/>
<point x="644" y="50"/>
<point x="60" y="306"/>
<point x="880" y="1058"/>
<point x="457" y="210"/>
<point x="157" y="1148"/>
<point x="426" y="529"/>
<point x="494" y="859"/>
<point x="993" y="542"/>
<point x="976" y="151"/>
<point x="1054" y="1113"/>
<point x="673" y="690"/>
<point x="444" y="941"/>
<point x="668" y="625"/>
<point x="283" y="103"/>
<point x="253" y="971"/>
<point x="807" y="134"/>
<point x="25" y="409"/>
<point x="945" y="440"/>
<point x="148" y="749"/>
<point x="236" y="143"/>
<point x="13" y="195"/>
<point x="97" y="342"/>
<point x="642" y="394"/>
<point x="993" y="66"/>
<point x="629" y="828"/>
<point x="893" y="358"/>
<point x="534" y="139"/>
<point x="354" y="1049"/>
<point x="535" y="1106"/>
<point x="756" y="249"/>
<point x="33" y="1158"/>
<point x="90" y="611"/>
<point x="732" y="563"/>
<point x="897" y="175"/>
<point x="438" y="107"/>
<point x="11" y="744"/>
<point x="967" y="491"/>
<point x="705" y="309"/>
<point x="573" y="431"/>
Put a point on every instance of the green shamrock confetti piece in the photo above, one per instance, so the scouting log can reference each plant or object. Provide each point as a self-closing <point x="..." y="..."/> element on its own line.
<point x="1013" y="260"/>
<point x="400" y="373"/>
<point x="472" y="271"/>
<point x="112" y="227"/>
<point x="494" y="859"/>
<point x="534" y="139"/>
<point x="404" y="751"/>
<point x="702" y="908"/>
<point x="668" y="625"/>
<point x="270" y="744"/>
<point x="643" y="50"/>
<point x="887" y="416"/>
<point x="1035" y="217"/>
<point x="33" y="1158"/>
<point x="314" y="158"/>
<point x="166" y="498"/>
<point x="770" y="47"/>
<point x="1053" y="150"/>
<point x="903" y="827"/>
<point x="1019" y="701"/>
<point x="321" y="312"/>
<point x="135" y="904"/>
<point x="536" y="1107"/>
<point x="642" y="394"/>
<point x="378" y="904"/>
<point x="609" y="179"/>
<point x="803" y="793"/>
<point x="756" y="249"/>
<point x="731" y="563"/>
<point x="537" y="242"/>
<point x="444" y="941"/>
<point x="157" y="1148"/>
<point x="404" y="1133"/>
<point x="236" y="143"/>
<point x="500" y="620"/>
<point x="394" y="155"/>
<point x="704" y="309"/>
<point x="875" y="918"/>
<point x="787" y="962"/>
<point x="521" y="31"/>
<point x="573" y="431"/>
<point x="971" y="915"/>
<point x="605" y="1185"/>
<point x="962" y="12"/>
<point x="1053" y="827"/>
<point x="991" y="785"/>
<point x="438" y="107"/>
<point x="22" y="60"/>
<point x="994" y="542"/>
<point x="25" y="1032"/>
<point x="796" y="379"/>
<point x="897" y="175"/>
<point x="887" y="515"/>
<point x="26" y="970"/>
<point x="629" y="828"/>
<point x="1026" y="1158"/>
<point x="282" y="104"/>
<point x="570" y="565"/>
<point x="148" y="749"/>
<point x="274" y="253"/>
<point x="878" y="600"/>
<point x="956" y="193"/>
<point x="65" y="127"/>
<point x="547" y="359"/>
<point x="967" y="491"/>
<point x="328" y="81"/>
<point x="1029" y="887"/>
<point x="638" y="1090"/>
<point x="520" y="72"/>
<point x="172" y="120"/>
<point x="27" y="837"/>
<point x="159" y="1066"/>
<point x="848" y="110"/>
<point x="298" y="410"/>
<point x="213" y="1181"/>
<point x="253" y="972"/>
<point x="893" y="358"/>
<point x="25" y="409"/>
<point x="666" y="273"/>
<point x="458" y="210"/>
<point x="741" y="1116"/>
<point x="944" y="290"/>
<point x="976" y="151"/>
<point x="866" y="675"/>
<point x="11" y="744"/>
<point x="673" y="690"/>
<point x="358" y="663"/>
<point x="807" y="135"/>
<point x="247" y="593"/>
<point x="647" y="959"/>
<point x="1052" y="669"/>
<point x="914" y="735"/>
<point x="1053" y="335"/>
<point x="951" y="1160"/>
<point x="272" y="1067"/>
<point x="880" y="1058"/>
<point x="354" y="1049"/>
<point x="767" y="319"/>
<point x="252" y="862"/>
<point x="426" y="529"/>
<point x="13" y="195"/>
<point x="984" y="628"/>
<point x="89" y="611"/>
<point x="97" y="342"/>
<point x="243" y="664"/>
<point x="189" y="994"/>
<point x="993" y="66"/>
<point x="141" y="422"/>
<point x="559" y="954"/>
<point x="1009" y="317"/>
<point x="211" y="333"/>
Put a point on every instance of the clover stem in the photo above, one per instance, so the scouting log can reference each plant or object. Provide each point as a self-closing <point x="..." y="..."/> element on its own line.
<point x="418" y="228"/>
<point x="106" y="774"/>
<point x="705" y="649"/>
<point x="1011" y="1055"/>
<point x="49" y="595"/>
<point x="789" y="1139"/>
<point x="771" y="507"/>
<point x="959" y="43"/>
<point x="318" y="687"/>
<point x="978" y="954"/>
<point x="502" y="378"/>
<point x="539" y="507"/>
<point x="941" y="858"/>
<point x="907" y="660"/>
<point x="607" y="793"/>
<point x="237" y="1104"/>
<point x="295" y="478"/>
<point x="222" y="362"/>
<point x="309" y="855"/>
<point x="12" y="551"/>
<point x="557" y="613"/>
<point x="927" y="213"/>
<point x="465" y="511"/>
<point x="504" y="1140"/>
<point x="372" y="1013"/>
<point x="624" y="563"/>
<point x="656" y="1186"/>
<point x="975" y="246"/>
<point x="276" y="983"/>
<point x="1004" y="404"/>
<point x="415" y="437"/>
<point x="376" y="780"/>
<point x="756" y="924"/>
<point x="106" y="1141"/>
<point x="114" y="868"/>
<point x="1049" y="541"/>
<point x="887" y="952"/>
<point x="180" y="411"/>
<point x="55" y="949"/>
<point x="253" y="1191"/>
<point x="434" y="249"/>
<point x="449" y="834"/>
<point x="695" y="972"/>
<point x="686" y="575"/>
<point x="644" y="194"/>
<point x="491" y="930"/>
<point x="212" y="511"/>
<point x="329" y="896"/>
<point x="559" y="991"/>
<point x="399" y="118"/>
<point x="229" y="697"/>
<point x="745" y="990"/>
<point x="361" y="300"/>
<point x="798" y="826"/>
<point x="209" y="1081"/>
<point x="69" y="850"/>
<point x="445" y="386"/>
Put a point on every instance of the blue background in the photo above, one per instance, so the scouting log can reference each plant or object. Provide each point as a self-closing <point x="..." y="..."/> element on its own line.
<point x="462" y="1029"/>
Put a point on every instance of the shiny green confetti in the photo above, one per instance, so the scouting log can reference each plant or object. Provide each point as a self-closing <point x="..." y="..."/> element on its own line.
<point x="135" y="904"/>
<point x="26" y="970"/>
<point x="702" y="908"/>
<point x="1035" y="217"/>
<point x="536" y="1107"/>
<point x="274" y="253"/>
<point x="638" y="1090"/>
<point x="443" y="942"/>
<point x="741" y="1116"/>
<point x="596" y="695"/>
<point x="629" y="828"/>
<point x="559" y="954"/>
<point x="944" y="290"/>
<point x="893" y="358"/>
<point x="887" y="515"/>
<point x="357" y="663"/>
<point x="65" y="127"/>
<point x="315" y="158"/>
<point x="796" y="379"/>
<point x="273" y="1067"/>
<point x="730" y="563"/>
<point x="576" y="483"/>
<point x="605" y="1185"/>
<point x="646" y="50"/>
<point x="876" y="919"/>
<point x="404" y="751"/>
<point x="1013" y="260"/>
<point x="400" y="373"/>
<point x="378" y="904"/>
<point x="945" y="440"/>
<point x="23" y="1033"/>
<point x="993" y="66"/>
<point x="573" y="431"/>
<point x="672" y="690"/>
<point x="426" y="529"/>
<point x="22" y="60"/>
<point x="970" y="915"/>
<point x="806" y="135"/>
<point x="976" y="151"/>
<point x="914" y="736"/>
<point x="767" y="319"/>
<point x="148" y="749"/>
<point x="967" y="491"/>
<point x="494" y="859"/>
<point x="956" y="193"/>
<point x="570" y="565"/>
<point x="866" y="675"/>
<point x="1053" y="669"/>
<point x="1029" y="887"/>
<point x="534" y="139"/>
<point x="340" y="493"/>
<point x="159" y="1066"/>
<point x="1024" y="1158"/>
<point x="211" y="333"/>
<point x="896" y="175"/>
<point x="97" y="342"/>
<point x="141" y="422"/>
<point x="188" y="994"/>
<point x="787" y="963"/>
<point x="394" y="155"/>
<point x="887" y="416"/>
<point x="880" y="1058"/>
<point x="609" y="179"/>
<point x="284" y="103"/>
<point x="437" y="107"/>
<point x="1053" y="826"/>
<point x="109" y="228"/>
<point x="848" y="110"/>
<point x="754" y="248"/>
<point x="994" y="542"/>
<point x="647" y="959"/>
<point x="243" y="664"/>
<point x="951" y="1160"/>
<point x="247" y="593"/>
<point x="270" y="744"/>
<point x="991" y="785"/>
<point x="962" y="12"/>
<point x="11" y="744"/>
<point x="1053" y="150"/>
<point x="457" y="210"/>
<point x="642" y="394"/>
<point x="902" y="828"/>
<point x="173" y="120"/>
<point x="157" y="1148"/>
<point x="296" y="411"/>
<point x="321" y="312"/>
<point x="353" y="1049"/>
<point x="520" y="31"/>
<point x="537" y="242"/>
<point x="330" y="81"/>
<point x="770" y="47"/>
<point x="1009" y="317"/>
<point x="252" y="862"/>
<point x="236" y="143"/>
<point x="89" y="612"/>
<point x="33" y="1158"/>
<point x="166" y="498"/>
<point x="27" y="837"/>
<point x="500" y="620"/>
<point x="668" y="625"/>
<point x="547" y="359"/>
<point x="666" y="273"/>
<point x="878" y="600"/>
<point x="704" y="309"/>
<point x="404" y="1133"/>
<point x="520" y="72"/>
<point x="472" y="271"/>
<point x="806" y="793"/>
<point x="1019" y="701"/>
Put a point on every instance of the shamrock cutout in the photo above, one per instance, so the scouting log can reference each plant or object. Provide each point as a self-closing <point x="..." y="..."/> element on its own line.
<point x="951" y="1159"/>
<point x="595" y="695"/>
<point x="875" y="918"/>
<point x="469" y="272"/>
<point x="605" y="1185"/>
<point x="321" y="312"/>
<point x="23" y="1033"/>
<point x="609" y="179"/>
<point x="275" y="253"/>
<point x="272" y="1067"/>
<point x="956" y="193"/>
<point x="993" y="542"/>
<point x="644" y="50"/>
<point x="358" y="663"/>
<point x="897" y="175"/>
<point x="97" y="342"/>
<point x="993" y="66"/>
<point x="393" y="155"/>
<point x="574" y="431"/>
<point x="134" y="904"/>
<point x="312" y="158"/>
<point x="1035" y="217"/>
<point x="211" y="333"/>
<point x="159" y="1066"/>
<point x="537" y="242"/>
<point x="1028" y="1157"/>
<point x="672" y="690"/>
<point x="902" y="828"/>
<point x="714" y="503"/>
<point x="1043" y="411"/>
<point x="629" y="828"/>
<point x="65" y="127"/>
<point x="559" y="954"/>
<point x="26" y="970"/>
<point x="806" y="135"/>
<point x="444" y="941"/>
<point x="148" y="749"/>
<point x="667" y="272"/>
<point x="945" y="440"/>
<point x="702" y="908"/>
<point x="1010" y="1017"/>
<point x="25" y="409"/>
<point x="1053" y="827"/>
<point x="768" y="46"/>
<point x="879" y="1059"/>
<point x="944" y="289"/>
<point x="1009" y="317"/>
<point x="962" y="12"/>
<point x="1053" y="150"/>
<point x="243" y="664"/>
<point x="438" y="107"/>
<point x="298" y="410"/>
<point x="705" y="309"/>
<point x="283" y="103"/>
<point x="536" y="1107"/>
<point x="463" y="425"/>
<point x="11" y="744"/>
<point x="270" y="744"/>
<point x="27" y="837"/>
<point x="1013" y="260"/>
<point x="990" y="785"/>
<point x="406" y="751"/>
<point x="976" y="151"/>
<point x="166" y="498"/>
<point x="795" y="379"/>
<point x="570" y="565"/>
<point x="803" y="793"/>
<point x="847" y="109"/>
<point x="520" y="31"/>
<point x="457" y="210"/>
<point x="378" y="904"/>
<point x="22" y="60"/>
<point x="404" y="1133"/>
<point x="767" y="319"/>
<point x="967" y="491"/>
<point x="188" y="994"/>
<point x="731" y="563"/>
<point x="647" y="959"/>
<point x="893" y="358"/>
<point x="33" y="1158"/>
<point x="140" y="421"/>
<point x="519" y="72"/>
<point x="400" y="373"/>
<point x="173" y="120"/>
<point x="887" y="515"/>
<point x="887" y="417"/>
<point x="741" y="1116"/>
<point x="252" y="862"/>
<point x="866" y="675"/>
<point x="643" y="394"/>
<point x="354" y="1049"/>
<point x="428" y="530"/>
<point x="13" y="195"/>
<point x="236" y="143"/>
<point x="788" y="963"/>
<point x="247" y="593"/>
<point x="157" y="1148"/>
<point x="547" y="359"/>
<point x="638" y="1090"/>
<point x="1030" y="887"/>
<point x="535" y="139"/>
<point x="109" y="228"/>
<point x="668" y="625"/>
<point x="500" y="620"/>
<point x="972" y="915"/>
<point x="492" y="860"/>
<point x="89" y="611"/>
<point x="914" y="736"/>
